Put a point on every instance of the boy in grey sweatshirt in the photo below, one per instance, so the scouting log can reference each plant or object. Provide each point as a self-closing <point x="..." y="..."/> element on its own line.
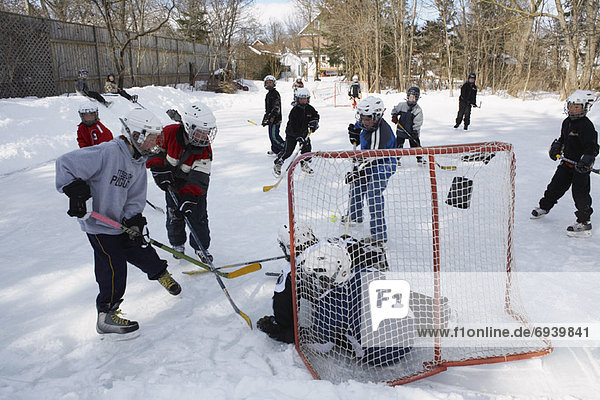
<point x="113" y="174"/>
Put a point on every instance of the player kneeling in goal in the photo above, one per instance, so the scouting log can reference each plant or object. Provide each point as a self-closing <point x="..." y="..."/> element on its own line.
<point x="333" y="305"/>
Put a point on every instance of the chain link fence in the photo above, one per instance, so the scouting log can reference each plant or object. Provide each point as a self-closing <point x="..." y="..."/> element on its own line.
<point x="41" y="57"/>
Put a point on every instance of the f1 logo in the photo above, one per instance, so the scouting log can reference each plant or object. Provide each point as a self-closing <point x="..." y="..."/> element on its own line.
<point x="388" y="299"/>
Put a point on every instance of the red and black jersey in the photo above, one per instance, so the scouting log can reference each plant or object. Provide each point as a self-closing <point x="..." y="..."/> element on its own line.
<point x="190" y="164"/>
<point x="92" y="135"/>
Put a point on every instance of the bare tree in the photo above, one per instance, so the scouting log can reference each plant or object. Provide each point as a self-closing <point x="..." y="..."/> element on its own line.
<point x="226" y="19"/>
<point x="126" y="22"/>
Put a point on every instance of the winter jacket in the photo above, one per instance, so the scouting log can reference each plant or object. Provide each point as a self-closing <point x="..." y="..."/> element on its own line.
<point x="81" y="86"/>
<point x="111" y="87"/>
<point x="298" y="119"/>
<point x="381" y="138"/>
<point x="468" y="93"/>
<point x="272" y="107"/>
<point x="92" y="135"/>
<point x="117" y="181"/>
<point x="190" y="164"/>
<point x="578" y="137"/>
<point x="354" y="90"/>
<point x="411" y="119"/>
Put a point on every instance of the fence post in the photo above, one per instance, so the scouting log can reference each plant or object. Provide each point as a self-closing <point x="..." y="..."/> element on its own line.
<point x="97" y="57"/>
<point x="157" y="59"/>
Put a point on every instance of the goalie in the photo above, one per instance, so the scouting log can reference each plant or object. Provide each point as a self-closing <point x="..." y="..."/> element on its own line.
<point x="331" y="281"/>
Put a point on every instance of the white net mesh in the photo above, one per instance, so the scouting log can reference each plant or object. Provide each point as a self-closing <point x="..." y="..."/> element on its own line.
<point x="438" y="218"/>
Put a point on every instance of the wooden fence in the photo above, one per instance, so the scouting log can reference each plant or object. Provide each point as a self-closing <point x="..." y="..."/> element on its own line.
<point x="41" y="57"/>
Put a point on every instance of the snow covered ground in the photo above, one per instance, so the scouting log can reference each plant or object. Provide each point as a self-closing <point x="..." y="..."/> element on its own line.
<point x="193" y="345"/>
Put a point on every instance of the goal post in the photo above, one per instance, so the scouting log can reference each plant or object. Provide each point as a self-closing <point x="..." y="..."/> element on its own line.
<point x="395" y="249"/>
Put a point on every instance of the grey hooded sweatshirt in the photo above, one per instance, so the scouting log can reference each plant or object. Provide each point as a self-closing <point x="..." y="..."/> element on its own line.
<point x="117" y="181"/>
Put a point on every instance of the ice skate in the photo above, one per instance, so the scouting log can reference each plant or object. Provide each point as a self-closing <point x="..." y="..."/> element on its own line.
<point x="180" y="249"/>
<point x="112" y="322"/>
<point x="167" y="281"/>
<point x="580" y="229"/>
<point x="538" y="213"/>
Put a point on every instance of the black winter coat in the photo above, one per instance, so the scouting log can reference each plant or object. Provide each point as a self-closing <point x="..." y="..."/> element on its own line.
<point x="468" y="93"/>
<point x="297" y="125"/>
<point x="578" y="137"/>
<point x="273" y="107"/>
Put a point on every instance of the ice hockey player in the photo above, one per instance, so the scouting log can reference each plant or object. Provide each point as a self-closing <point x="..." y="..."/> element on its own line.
<point x="114" y="176"/>
<point x="110" y="86"/>
<point x="81" y="87"/>
<point x="297" y="84"/>
<point x="467" y="99"/>
<point x="302" y="119"/>
<point x="184" y="164"/>
<point x="91" y="131"/>
<point x="280" y="325"/>
<point x="578" y="143"/>
<point x="333" y="275"/>
<point x="272" y="117"/>
<point x="408" y="117"/>
<point x="371" y="177"/>
<point x="354" y="92"/>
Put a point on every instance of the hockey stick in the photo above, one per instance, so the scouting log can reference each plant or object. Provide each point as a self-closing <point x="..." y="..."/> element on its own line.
<point x="444" y="167"/>
<point x="156" y="243"/>
<point x="210" y="264"/>
<point x="234" y="274"/>
<point x="246" y="263"/>
<point x="252" y="122"/>
<point x="155" y="207"/>
<point x="283" y="174"/>
<point x="594" y="170"/>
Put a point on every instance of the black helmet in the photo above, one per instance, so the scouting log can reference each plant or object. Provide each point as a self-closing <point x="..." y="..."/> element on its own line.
<point x="82" y="72"/>
<point x="472" y="75"/>
<point x="415" y="91"/>
<point x="109" y="75"/>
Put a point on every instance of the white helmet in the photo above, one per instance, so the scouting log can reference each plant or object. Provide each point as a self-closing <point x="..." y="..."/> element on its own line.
<point x="302" y="93"/>
<point x="88" y="109"/>
<point x="329" y="261"/>
<point x="200" y="124"/>
<point x="370" y="107"/>
<point x="142" y="127"/>
<point x="303" y="235"/>
<point x="299" y="79"/>
<point x="584" y="97"/>
<point x="269" y="78"/>
<point x="355" y="78"/>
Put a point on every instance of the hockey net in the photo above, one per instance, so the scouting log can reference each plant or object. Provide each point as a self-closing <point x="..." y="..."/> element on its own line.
<point x="444" y="226"/>
<point x="340" y="93"/>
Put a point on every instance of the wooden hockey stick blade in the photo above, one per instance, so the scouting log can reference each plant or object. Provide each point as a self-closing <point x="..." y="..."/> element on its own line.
<point x="446" y="167"/>
<point x="229" y="275"/>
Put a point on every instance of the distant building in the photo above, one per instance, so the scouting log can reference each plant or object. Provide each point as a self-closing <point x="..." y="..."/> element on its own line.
<point x="291" y="64"/>
<point x="312" y="49"/>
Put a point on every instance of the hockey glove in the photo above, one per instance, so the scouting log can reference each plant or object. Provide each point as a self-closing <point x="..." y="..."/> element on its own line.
<point x="354" y="134"/>
<point x="555" y="150"/>
<point x="78" y="192"/>
<point x="163" y="179"/>
<point x="301" y="141"/>
<point x="395" y="118"/>
<point x="136" y="223"/>
<point x="174" y="115"/>
<point x="585" y="164"/>
<point x="313" y="125"/>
